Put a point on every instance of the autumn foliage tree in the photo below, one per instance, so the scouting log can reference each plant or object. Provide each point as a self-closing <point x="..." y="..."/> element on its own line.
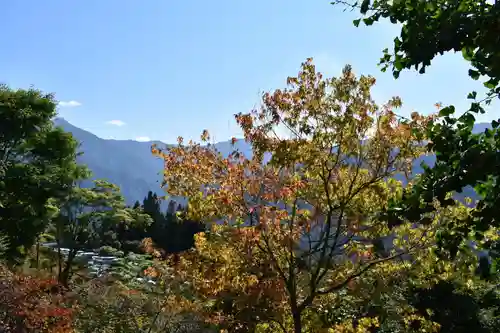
<point x="293" y="232"/>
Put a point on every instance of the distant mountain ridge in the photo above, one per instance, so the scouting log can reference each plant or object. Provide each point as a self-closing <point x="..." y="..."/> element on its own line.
<point x="126" y="163"/>
<point x="130" y="164"/>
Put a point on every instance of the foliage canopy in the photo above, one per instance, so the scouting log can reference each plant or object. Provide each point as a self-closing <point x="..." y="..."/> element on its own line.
<point x="296" y="230"/>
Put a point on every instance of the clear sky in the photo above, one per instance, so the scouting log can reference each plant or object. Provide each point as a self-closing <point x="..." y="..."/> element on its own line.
<point x="129" y="69"/>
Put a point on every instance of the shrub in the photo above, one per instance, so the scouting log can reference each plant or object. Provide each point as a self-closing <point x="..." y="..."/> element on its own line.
<point x="28" y="304"/>
<point x="108" y="251"/>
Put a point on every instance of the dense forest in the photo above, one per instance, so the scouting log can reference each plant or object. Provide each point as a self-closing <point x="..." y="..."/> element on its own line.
<point x="323" y="229"/>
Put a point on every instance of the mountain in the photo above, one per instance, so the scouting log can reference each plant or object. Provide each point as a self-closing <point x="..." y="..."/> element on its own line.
<point x="126" y="163"/>
<point x="130" y="164"/>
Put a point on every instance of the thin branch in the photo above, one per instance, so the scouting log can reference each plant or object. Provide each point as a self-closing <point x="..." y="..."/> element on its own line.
<point x="359" y="273"/>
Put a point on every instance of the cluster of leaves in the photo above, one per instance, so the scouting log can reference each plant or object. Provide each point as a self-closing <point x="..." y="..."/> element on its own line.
<point x="464" y="159"/>
<point x="293" y="233"/>
<point x="434" y="27"/>
<point x="88" y="218"/>
<point x="228" y="291"/>
<point x="36" y="163"/>
<point x="28" y="304"/>
<point x="111" y="307"/>
<point x="128" y="268"/>
<point x="458" y="307"/>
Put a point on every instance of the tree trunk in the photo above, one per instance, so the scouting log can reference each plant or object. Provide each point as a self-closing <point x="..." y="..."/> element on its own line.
<point x="38" y="253"/>
<point x="297" y="322"/>
<point x="59" y="260"/>
<point x="64" y="275"/>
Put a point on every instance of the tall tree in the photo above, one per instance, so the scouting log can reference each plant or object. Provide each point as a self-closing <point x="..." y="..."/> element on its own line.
<point x="158" y="229"/>
<point x="166" y="231"/>
<point x="137" y="204"/>
<point x="315" y="205"/>
<point x="180" y="232"/>
<point x="88" y="218"/>
<point x="151" y="205"/>
<point x="429" y="28"/>
<point x="34" y="161"/>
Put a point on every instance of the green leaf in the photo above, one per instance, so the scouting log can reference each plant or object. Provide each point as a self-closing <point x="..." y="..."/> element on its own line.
<point x="476" y="108"/>
<point x="474" y="74"/>
<point x="447" y="111"/>
<point x="397" y="43"/>
<point x="364" y="6"/>
<point x="463" y="6"/>
<point x="356" y="22"/>
<point x="467" y="119"/>
<point x="368" y="21"/>
<point x="467" y="54"/>
<point x="472" y="95"/>
<point x="431" y="6"/>
<point x="398" y="65"/>
<point x="490" y="84"/>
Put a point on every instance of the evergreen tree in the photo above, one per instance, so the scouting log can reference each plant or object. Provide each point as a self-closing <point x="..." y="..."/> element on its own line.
<point x="166" y="231"/>
<point x="151" y="205"/>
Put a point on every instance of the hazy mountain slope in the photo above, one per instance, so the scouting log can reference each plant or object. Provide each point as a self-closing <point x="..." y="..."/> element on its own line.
<point x="126" y="163"/>
<point x="130" y="164"/>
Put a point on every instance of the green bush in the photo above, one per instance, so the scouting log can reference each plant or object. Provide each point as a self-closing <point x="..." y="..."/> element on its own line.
<point x="108" y="251"/>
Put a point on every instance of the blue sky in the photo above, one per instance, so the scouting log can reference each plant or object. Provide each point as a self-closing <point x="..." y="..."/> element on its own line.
<point x="128" y="69"/>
